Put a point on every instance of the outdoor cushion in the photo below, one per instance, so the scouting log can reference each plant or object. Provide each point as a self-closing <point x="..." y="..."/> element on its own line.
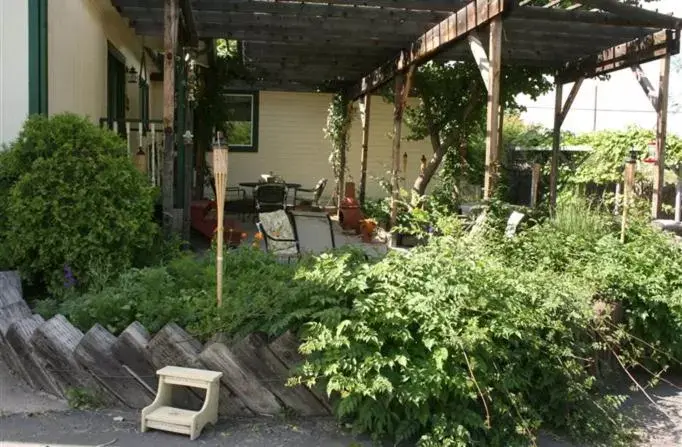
<point x="276" y="225"/>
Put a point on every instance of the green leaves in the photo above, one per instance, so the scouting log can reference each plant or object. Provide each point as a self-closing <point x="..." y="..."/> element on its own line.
<point x="72" y="198"/>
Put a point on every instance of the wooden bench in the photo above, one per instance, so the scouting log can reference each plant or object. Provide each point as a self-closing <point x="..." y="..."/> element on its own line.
<point x="161" y="416"/>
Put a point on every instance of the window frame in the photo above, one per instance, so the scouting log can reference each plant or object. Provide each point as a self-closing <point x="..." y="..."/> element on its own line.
<point x="253" y="147"/>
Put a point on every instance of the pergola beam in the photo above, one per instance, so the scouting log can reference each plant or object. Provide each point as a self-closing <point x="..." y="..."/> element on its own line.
<point x="189" y="22"/>
<point x="652" y="18"/>
<point x="414" y="5"/>
<point x="595" y="17"/>
<point x="561" y="110"/>
<point x="321" y="9"/>
<point x="638" y="51"/>
<point x="440" y="37"/>
<point x="646" y="85"/>
<point x="480" y="57"/>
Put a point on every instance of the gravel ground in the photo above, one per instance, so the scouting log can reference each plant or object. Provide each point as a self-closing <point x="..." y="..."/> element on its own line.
<point x="76" y="428"/>
<point x="16" y="397"/>
<point x="28" y="419"/>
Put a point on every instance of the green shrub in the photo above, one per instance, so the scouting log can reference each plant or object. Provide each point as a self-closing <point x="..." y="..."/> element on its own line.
<point x="72" y="199"/>
<point x="259" y="294"/>
<point x="453" y="345"/>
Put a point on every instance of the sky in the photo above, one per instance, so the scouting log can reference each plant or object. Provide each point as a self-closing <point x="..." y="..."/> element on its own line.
<point x="617" y="102"/>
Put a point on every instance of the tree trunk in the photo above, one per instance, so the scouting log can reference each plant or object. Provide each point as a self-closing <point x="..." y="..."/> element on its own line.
<point x="439" y="148"/>
<point x="419" y="187"/>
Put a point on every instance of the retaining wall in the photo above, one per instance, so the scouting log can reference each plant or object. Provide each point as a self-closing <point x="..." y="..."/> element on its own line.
<point x="54" y="356"/>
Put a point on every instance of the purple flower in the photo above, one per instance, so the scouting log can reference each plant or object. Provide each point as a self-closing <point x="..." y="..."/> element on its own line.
<point x="69" y="279"/>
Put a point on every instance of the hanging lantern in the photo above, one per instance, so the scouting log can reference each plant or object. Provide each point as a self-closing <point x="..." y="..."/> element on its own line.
<point x="220" y="151"/>
<point x="140" y="161"/>
<point x="131" y="75"/>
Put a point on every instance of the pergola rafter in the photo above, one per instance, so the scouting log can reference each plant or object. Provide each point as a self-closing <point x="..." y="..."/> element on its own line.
<point x="359" y="45"/>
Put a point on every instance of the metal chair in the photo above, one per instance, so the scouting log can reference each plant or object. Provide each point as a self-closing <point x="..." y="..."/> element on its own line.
<point x="270" y="197"/>
<point x="278" y="234"/>
<point x="314" y="232"/>
<point x="316" y="194"/>
<point x="293" y="234"/>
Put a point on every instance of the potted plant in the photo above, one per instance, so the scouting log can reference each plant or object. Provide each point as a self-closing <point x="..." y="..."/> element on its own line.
<point x="367" y="228"/>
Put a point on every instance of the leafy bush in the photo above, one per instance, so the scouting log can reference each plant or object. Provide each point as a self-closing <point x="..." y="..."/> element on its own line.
<point x="259" y="294"/>
<point x="453" y="345"/>
<point x="72" y="198"/>
<point x="465" y="341"/>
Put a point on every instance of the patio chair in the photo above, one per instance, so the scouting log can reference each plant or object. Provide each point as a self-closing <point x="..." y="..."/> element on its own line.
<point x="313" y="231"/>
<point x="316" y="194"/>
<point x="292" y="234"/>
<point x="270" y="197"/>
<point x="237" y="203"/>
<point x="278" y="233"/>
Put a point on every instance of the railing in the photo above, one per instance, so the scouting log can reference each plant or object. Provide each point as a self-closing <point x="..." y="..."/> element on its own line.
<point x="149" y="140"/>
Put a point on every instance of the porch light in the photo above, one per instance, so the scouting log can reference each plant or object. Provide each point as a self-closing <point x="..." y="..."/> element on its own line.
<point x="131" y="75"/>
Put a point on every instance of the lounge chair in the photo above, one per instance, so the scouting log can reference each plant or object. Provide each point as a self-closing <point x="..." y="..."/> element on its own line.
<point x="292" y="234"/>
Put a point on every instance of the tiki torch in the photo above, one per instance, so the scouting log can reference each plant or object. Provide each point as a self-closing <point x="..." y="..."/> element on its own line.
<point x="220" y="175"/>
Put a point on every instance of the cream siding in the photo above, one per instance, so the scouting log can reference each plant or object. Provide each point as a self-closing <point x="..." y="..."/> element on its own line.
<point x="292" y="144"/>
<point x="78" y="32"/>
<point x="13" y="67"/>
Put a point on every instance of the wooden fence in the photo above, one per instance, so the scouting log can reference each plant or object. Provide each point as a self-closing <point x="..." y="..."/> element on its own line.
<point x="54" y="356"/>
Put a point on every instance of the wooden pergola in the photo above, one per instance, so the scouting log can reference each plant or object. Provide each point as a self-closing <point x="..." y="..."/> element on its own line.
<point x="357" y="46"/>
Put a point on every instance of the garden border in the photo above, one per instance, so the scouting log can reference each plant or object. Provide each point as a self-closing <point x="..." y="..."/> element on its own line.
<point x="54" y="356"/>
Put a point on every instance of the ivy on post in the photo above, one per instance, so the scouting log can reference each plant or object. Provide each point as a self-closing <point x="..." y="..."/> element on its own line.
<point x="170" y="44"/>
<point x="339" y="120"/>
<point x="403" y="85"/>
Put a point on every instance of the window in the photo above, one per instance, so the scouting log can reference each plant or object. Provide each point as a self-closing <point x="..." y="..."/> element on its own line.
<point x="242" y="126"/>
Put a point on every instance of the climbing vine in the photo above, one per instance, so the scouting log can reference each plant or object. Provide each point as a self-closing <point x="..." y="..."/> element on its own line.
<point x="337" y="130"/>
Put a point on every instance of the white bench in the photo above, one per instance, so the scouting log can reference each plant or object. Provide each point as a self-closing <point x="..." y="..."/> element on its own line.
<point x="161" y="416"/>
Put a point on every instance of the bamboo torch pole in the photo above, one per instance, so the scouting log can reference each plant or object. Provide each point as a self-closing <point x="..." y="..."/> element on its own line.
<point x="220" y="150"/>
<point x="628" y="188"/>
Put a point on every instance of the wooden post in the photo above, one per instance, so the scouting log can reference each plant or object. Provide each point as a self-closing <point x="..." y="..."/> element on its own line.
<point x="403" y="84"/>
<point x="661" y="136"/>
<point x="170" y="43"/>
<point x="556" y="144"/>
<point x="364" y="116"/>
<point x="188" y="169"/>
<point x="492" y="152"/>
<point x="627" y="192"/>
<point x="534" y="183"/>
<point x="341" y="191"/>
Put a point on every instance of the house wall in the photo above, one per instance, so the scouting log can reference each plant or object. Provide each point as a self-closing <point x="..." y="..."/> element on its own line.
<point x="78" y="32"/>
<point x="13" y="67"/>
<point x="291" y="143"/>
